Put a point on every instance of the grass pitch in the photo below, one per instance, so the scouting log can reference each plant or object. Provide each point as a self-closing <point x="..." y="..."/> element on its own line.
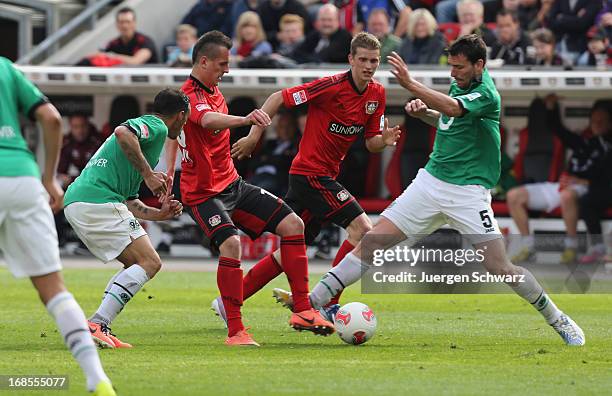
<point x="425" y="344"/>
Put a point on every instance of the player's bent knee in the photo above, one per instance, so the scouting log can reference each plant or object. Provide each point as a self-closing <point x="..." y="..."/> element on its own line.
<point x="231" y="247"/>
<point x="359" y="227"/>
<point x="290" y="225"/>
<point x="517" y="196"/>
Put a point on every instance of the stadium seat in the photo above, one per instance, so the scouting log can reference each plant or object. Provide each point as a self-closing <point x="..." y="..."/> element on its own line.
<point x="450" y="30"/>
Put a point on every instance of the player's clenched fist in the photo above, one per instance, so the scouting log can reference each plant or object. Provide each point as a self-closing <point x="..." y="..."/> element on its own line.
<point x="170" y="208"/>
<point x="258" y="117"/>
<point x="416" y="108"/>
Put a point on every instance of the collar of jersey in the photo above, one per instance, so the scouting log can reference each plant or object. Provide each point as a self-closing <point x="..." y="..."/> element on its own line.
<point x="201" y="84"/>
<point x="350" y="78"/>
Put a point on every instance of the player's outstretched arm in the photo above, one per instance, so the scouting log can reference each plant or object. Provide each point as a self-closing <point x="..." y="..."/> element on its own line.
<point x="245" y="146"/>
<point x="170" y="151"/>
<point x="155" y="181"/>
<point x="170" y="208"/>
<point x="214" y="120"/>
<point x="433" y="99"/>
<point x="51" y="122"/>
<point x="389" y="137"/>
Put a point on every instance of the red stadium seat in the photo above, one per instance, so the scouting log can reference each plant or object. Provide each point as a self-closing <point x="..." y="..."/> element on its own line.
<point x="450" y="30"/>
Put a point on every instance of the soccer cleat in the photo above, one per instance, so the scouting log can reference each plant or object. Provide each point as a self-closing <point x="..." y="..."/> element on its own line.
<point x="100" y="335"/>
<point x="311" y="320"/>
<point x="525" y="255"/>
<point x="571" y="333"/>
<point x="283" y="297"/>
<point x="568" y="256"/>
<point x="329" y="313"/>
<point x="242" y="338"/>
<point x="118" y="343"/>
<point x="219" y="309"/>
<point x="104" y="388"/>
<point x="593" y="255"/>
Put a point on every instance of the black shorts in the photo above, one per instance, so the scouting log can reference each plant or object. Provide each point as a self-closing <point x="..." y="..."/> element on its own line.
<point x="240" y="205"/>
<point x="318" y="200"/>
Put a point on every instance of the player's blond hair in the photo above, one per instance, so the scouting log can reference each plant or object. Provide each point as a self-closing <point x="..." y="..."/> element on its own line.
<point x="364" y="40"/>
<point x="250" y="18"/>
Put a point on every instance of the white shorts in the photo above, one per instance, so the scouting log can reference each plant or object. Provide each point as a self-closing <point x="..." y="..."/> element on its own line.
<point x="28" y="236"/>
<point x="547" y="197"/>
<point x="106" y="229"/>
<point x="428" y="203"/>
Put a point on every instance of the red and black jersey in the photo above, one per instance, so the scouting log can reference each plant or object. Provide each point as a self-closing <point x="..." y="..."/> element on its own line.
<point x="207" y="166"/>
<point x="337" y="114"/>
<point x="138" y="42"/>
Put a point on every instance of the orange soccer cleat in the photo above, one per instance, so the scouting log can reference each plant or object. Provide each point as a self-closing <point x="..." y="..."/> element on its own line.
<point x="100" y="335"/>
<point x="311" y="320"/>
<point x="242" y="338"/>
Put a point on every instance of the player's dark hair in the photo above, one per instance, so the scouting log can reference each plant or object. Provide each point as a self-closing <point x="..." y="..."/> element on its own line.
<point x="170" y="101"/>
<point x="208" y="45"/>
<point x="364" y="40"/>
<point x="503" y="12"/>
<point x="125" y="10"/>
<point x="471" y="46"/>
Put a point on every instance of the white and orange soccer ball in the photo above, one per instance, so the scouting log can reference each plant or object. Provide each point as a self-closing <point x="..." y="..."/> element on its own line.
<point x="355" y="323"/>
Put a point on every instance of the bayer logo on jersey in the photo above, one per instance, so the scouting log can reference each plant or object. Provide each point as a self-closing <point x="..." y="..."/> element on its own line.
<point x="355" y="323"/>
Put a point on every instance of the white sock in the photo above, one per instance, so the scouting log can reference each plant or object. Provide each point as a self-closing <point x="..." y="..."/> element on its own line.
<point x="571" y="242"/>
<point x="528" y="241"/>
<point x="111" y="281"/>
<point x="72" y="325"/>
<point x="347" y="272"/>
<point x="531" y="291"/>
<point x="125" y="286"/>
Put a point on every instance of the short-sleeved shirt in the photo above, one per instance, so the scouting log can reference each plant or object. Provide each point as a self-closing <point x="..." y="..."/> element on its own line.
<point x="337" y="114"/>
<point x="17" y="96"/>
<point x="467" y="149"/>
<point x="109" y="176"/>
<point x="138" y="42"/>
<point x="207" y="166"/>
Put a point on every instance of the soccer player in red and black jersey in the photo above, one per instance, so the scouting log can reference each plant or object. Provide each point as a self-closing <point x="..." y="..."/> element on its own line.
<point x="341" y="107"/>
<point x="221" y="202"/>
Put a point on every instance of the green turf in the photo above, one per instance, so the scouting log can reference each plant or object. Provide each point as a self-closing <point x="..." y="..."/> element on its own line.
<point x="440" y="344"/>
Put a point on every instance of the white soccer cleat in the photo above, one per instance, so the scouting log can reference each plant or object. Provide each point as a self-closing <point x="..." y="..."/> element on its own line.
<point x="219" y="309"/>
<point x="283" y="297"/>
<point x="571" y="333"/>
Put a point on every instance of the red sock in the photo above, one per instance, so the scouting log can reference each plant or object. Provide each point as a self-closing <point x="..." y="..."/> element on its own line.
<point x="229" y="281"/>
<point x="295" y="265"/>
<point x="345" y="249"/>
<point x="260" y="275"/>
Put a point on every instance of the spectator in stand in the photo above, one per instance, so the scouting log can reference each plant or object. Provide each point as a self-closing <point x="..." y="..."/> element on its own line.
<point x="130" y="48"/>
<point x="423" y="44"/>
<point x="209" y="15"/>
<point x="570" y="20"/>
<point x="79" y="145"/>
<point x="186" y="37"/>
<point x="327" y="43"/>
<point x="271" y="166"/>
<point x="290" y="34"/>
<point x="599" y="51"/>
<point x="511" y="42"/>
<point x="604" y="20"/>
<point x="397" y="10"/>
<point x="250" y="38"/>
<point x="544" y="44"/>
<point x="527" y="14"/>
<point x="378" y="25"/>
<point x="584" y="166"/>
<point x="271" y="11"/>
<point x="471" y="13"/>
<point x="238" y="8"/>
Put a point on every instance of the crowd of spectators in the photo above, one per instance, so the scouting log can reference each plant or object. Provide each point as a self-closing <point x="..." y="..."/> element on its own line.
<point x="290" y="33"/>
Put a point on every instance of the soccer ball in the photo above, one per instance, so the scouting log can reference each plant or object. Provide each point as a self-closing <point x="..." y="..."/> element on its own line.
<point x="355" y="323"/>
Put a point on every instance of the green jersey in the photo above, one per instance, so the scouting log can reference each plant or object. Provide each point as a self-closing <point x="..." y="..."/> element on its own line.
<point x="467" y="148"/>
<point x="109" y="176"/>
<point x="17" y="96"/>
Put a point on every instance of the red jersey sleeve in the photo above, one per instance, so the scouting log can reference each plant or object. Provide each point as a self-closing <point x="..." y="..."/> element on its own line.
<point x="310" y="92"/>
<point x="376" y="122"/>
<point x="199" y="107"/>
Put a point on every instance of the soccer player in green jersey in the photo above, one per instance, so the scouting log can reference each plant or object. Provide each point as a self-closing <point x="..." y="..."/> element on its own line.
<point x="26" y="218"/>
<point x="102" y="205"/>
<point x="453" y="188"/>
